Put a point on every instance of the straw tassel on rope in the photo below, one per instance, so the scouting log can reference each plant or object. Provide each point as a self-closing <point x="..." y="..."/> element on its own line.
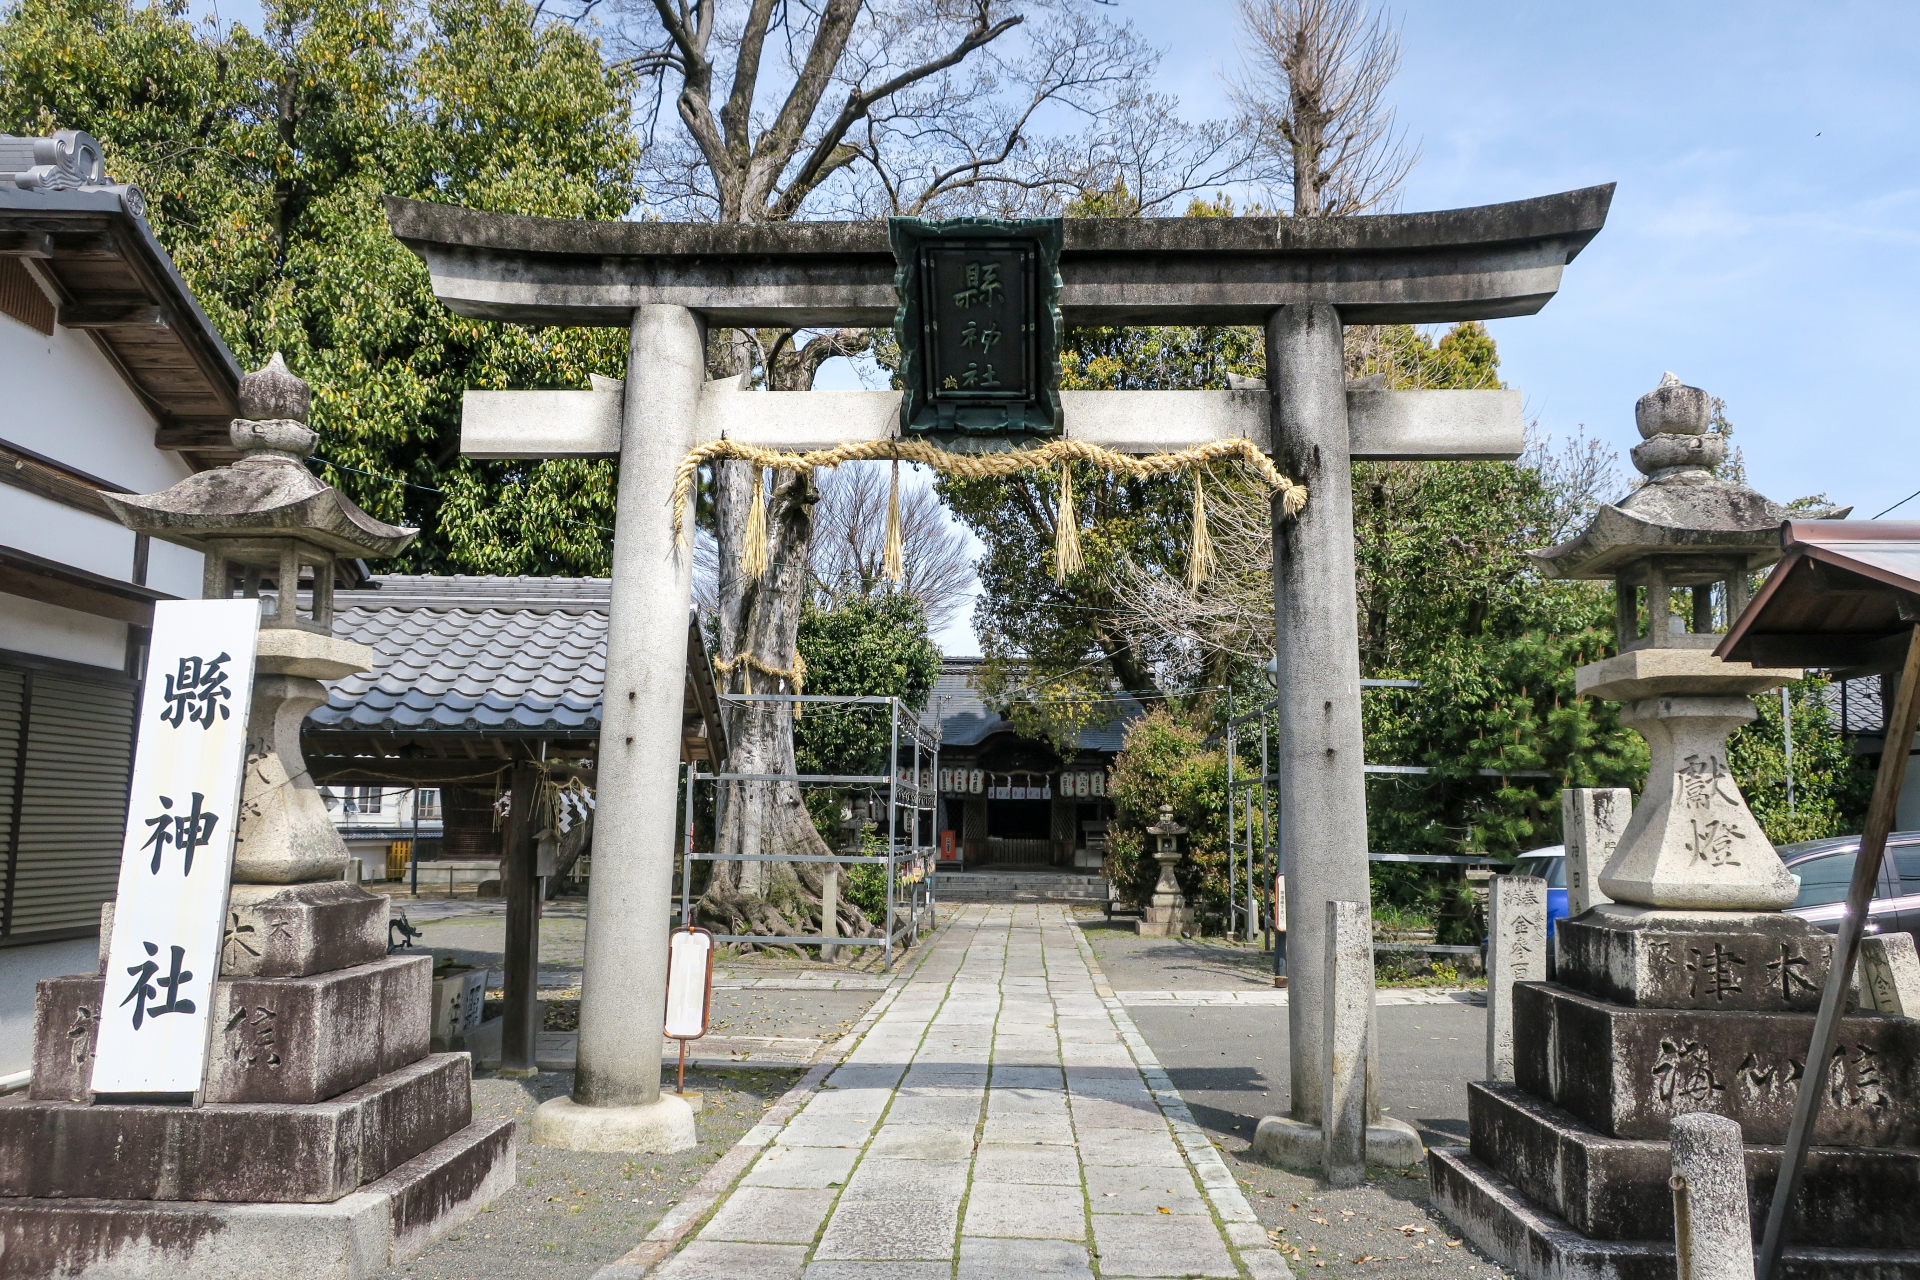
<point x="895" y="559"/>
<point x="1066" y="530"/>
<point x="1200" y="549"/>
<point x="753" y="554"/>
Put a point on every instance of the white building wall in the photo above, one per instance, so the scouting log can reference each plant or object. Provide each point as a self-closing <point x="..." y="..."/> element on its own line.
<point x="90" y="420"/>
<point x="71" y="404"/>
<point x="43" y="527"/>
<point x="86" y="416"/>
<point x="28" y="626"/>
<point x="174" y="569"/>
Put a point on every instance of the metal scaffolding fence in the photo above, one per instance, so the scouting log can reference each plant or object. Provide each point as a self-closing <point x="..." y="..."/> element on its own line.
<point x="906" y="817"/>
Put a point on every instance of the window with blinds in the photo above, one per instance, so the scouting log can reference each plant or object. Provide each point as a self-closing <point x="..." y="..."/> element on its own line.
<point x="66" y="751"/>
<point x="23" y="299"/>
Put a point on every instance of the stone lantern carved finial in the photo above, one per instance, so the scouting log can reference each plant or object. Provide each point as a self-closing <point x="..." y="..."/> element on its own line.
<point x="272" y="425"/>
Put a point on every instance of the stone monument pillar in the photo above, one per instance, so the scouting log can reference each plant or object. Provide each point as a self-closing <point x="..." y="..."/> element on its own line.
<point x="329" y="1144"/>
<point x="1168" y="915"/>
<point x="1690" y="991"/>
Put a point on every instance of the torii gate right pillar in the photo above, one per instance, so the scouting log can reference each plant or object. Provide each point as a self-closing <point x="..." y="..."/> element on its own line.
<point x="1323" y="801"/>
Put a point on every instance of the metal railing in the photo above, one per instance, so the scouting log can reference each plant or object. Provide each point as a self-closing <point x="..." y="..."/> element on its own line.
<point x="912" y="801"/>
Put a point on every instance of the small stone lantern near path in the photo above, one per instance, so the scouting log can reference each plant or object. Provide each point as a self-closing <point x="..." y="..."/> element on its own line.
<point x="266" y="519"/>
<point x="1168" y="916"/>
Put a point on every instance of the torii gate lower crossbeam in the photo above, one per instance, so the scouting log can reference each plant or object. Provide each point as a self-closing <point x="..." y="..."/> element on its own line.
<point x="1303" y="282"/>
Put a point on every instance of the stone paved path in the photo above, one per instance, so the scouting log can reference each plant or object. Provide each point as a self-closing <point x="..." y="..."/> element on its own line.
<point x="1001" y="1118"/>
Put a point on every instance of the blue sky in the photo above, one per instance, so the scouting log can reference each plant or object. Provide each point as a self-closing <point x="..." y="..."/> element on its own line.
<point x="1764" y="237"/>
<point x="1763" y="240"/>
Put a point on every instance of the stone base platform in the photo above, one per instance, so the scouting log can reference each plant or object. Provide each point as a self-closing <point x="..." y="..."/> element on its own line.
<point x="237" y="1152"/>
<point x="1630" y="1072"/>
<point x="1616" y="1188"/>
<point x="1495" y="1216"/>
<point x="292" y="1040"/>
<point x="381" y="1225"/>
<point x="1294" y="1144"/>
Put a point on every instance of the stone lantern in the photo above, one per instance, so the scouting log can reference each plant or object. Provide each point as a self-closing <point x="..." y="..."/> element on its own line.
<point x="1692" y="843"/>
<point x="264" y="520"/>
<point x="340" y="1144"/>
<point x="1168" y="916"/>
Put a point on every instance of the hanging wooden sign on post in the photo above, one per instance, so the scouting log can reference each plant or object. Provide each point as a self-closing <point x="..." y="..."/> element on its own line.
<point x="689" y="992"/>
<point x="177" y="858"/>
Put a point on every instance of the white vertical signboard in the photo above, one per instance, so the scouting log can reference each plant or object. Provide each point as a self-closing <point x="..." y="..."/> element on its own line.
<point x="178" y="853"/>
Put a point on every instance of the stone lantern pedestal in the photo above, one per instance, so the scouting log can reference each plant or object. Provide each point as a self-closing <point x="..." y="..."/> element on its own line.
<point x="328" y="1142"/>
<point x="1691" y="991"/>
<point x="1168" y="915"/>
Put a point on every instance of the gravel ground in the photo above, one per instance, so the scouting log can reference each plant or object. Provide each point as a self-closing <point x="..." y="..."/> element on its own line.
<point x="479" y="938"/>
<point x="827" y="1015"/>
<point x="571" y="1212"/>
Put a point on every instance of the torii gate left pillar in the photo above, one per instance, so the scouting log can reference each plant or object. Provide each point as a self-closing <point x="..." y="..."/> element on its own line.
<point x="1302" y="279"/>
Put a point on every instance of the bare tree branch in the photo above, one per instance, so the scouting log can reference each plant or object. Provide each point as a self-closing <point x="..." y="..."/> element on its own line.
<point x="1314" y="97"/>
<point x="849" y="542"/>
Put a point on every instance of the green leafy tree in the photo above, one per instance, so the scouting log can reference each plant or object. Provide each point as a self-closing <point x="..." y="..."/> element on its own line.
<point x="1831" y="785"/>
<point x="874" y="645"/>
<point x="264" y="158"/>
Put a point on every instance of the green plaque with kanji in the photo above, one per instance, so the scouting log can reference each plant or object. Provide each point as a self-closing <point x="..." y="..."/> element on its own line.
<point x="979" y="328"/>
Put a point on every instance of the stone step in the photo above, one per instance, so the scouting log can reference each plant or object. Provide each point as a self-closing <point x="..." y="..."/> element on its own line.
<point x="236" y="1152"/>
<point x="297" y="1040"/>
<point x="1492" y="1213"/>
<point x="1617" y="1188"/>
<point x="360" y="1235"/>
<point x="1018" y="886"/>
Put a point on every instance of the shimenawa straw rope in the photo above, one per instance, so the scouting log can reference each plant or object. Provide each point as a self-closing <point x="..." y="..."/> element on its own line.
<point x="979" y="466"/>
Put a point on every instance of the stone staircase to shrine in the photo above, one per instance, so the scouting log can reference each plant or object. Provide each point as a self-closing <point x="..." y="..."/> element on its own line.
<point x="1020" y="884"/>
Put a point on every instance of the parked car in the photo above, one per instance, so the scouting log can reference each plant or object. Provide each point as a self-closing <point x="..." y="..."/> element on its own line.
<point x="1823" y="869"/>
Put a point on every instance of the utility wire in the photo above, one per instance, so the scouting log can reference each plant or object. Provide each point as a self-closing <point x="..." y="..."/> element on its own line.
<point x="1903" y="502"/>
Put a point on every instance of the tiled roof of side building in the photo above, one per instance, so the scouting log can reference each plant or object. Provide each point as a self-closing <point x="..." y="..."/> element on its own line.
<point x="965" y="720"/>
<point x="464" y="591"/>
<point x="524" y="669"/>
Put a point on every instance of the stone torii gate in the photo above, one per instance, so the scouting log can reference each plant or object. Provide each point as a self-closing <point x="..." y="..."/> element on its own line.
<point x="1302" y="279"/>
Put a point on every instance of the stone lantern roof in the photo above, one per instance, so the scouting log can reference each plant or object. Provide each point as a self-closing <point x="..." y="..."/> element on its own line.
<point x="1683" y="528"/>
<point x="268" y="493"/>
<point x="266" y="518"/>
<point x="1682" y="511"/>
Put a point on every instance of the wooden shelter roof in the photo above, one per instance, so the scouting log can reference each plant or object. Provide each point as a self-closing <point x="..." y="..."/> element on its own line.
<point x="1845" y="597"/>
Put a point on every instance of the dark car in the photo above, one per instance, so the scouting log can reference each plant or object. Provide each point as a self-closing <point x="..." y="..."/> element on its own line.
<point x="1823" y="868"/>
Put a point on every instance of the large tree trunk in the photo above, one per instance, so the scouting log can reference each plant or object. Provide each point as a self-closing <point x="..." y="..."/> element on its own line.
<point x="760" y="618"/>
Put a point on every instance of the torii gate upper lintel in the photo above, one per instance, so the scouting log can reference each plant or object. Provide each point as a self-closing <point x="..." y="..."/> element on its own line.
<point x="1301" y="279"/>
